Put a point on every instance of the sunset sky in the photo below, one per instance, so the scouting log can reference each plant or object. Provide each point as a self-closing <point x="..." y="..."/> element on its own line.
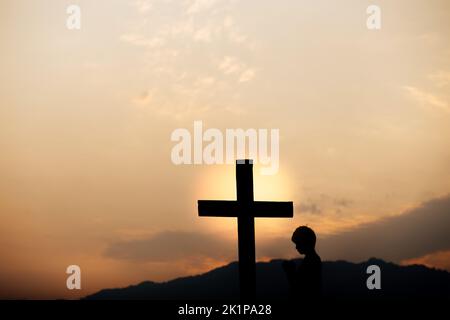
<point x="86" y="116"/>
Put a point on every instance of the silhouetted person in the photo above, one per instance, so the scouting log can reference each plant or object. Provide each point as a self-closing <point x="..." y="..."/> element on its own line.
<point x="305" y="280"/>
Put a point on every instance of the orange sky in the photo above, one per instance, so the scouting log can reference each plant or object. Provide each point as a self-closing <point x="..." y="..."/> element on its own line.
<point x="86" y="118"/>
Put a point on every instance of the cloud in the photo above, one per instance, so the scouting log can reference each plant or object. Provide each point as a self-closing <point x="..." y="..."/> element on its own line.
<point x="230" y="28"/>
<point x="417" y="233"/>
<point x="230" y="65"/>
<point x="186" y="97"/>
<point x="310" y="207"/>
<point x="440" y="78"/>
<point x="140" y="40"/>
<point x="247" y="75"/>
<point x="440" y="260"/>
<point x="203" y="34"/>
<point x="144" y="99"/>
<point x="323" y="203"/>
<point x="143" y="6"/>
<point x="173" y="59"/>
<point x="197" y="6"/>
<point x="169" y="246"/>
<point x="427" y="98"/>
<point x="420" y="235"/>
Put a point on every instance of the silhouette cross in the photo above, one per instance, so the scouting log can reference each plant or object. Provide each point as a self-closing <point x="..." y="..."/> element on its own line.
<point x="245" y="209"/>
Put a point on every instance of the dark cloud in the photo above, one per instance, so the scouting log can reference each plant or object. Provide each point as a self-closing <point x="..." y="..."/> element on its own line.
<point x="415" y="233"/>
<point x="309" y="207"/>
<point x="342" y="202"/>
<point x="317" y="205"/>
<point x="173" y="245"/>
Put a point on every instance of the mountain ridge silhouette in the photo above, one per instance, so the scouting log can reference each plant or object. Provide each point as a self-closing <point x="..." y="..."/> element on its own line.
<point x="341" y="279"/>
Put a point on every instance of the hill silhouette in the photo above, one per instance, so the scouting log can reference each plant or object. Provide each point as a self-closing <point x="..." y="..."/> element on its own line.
<point x="341" y="279"/>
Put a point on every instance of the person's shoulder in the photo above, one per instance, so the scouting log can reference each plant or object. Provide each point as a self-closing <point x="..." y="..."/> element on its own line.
<point x="312" y="259"/>
<point x="316" y="259"/>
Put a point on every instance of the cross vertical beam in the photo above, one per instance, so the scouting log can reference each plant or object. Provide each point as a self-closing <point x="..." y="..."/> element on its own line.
<point x="246" y="229"/>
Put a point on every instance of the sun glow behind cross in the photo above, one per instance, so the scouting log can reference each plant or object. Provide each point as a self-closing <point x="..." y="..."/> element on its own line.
<point x="266" y="187"/>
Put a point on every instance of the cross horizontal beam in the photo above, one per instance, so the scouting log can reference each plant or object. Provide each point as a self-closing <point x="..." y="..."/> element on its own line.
<point x="257" y="209"/>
